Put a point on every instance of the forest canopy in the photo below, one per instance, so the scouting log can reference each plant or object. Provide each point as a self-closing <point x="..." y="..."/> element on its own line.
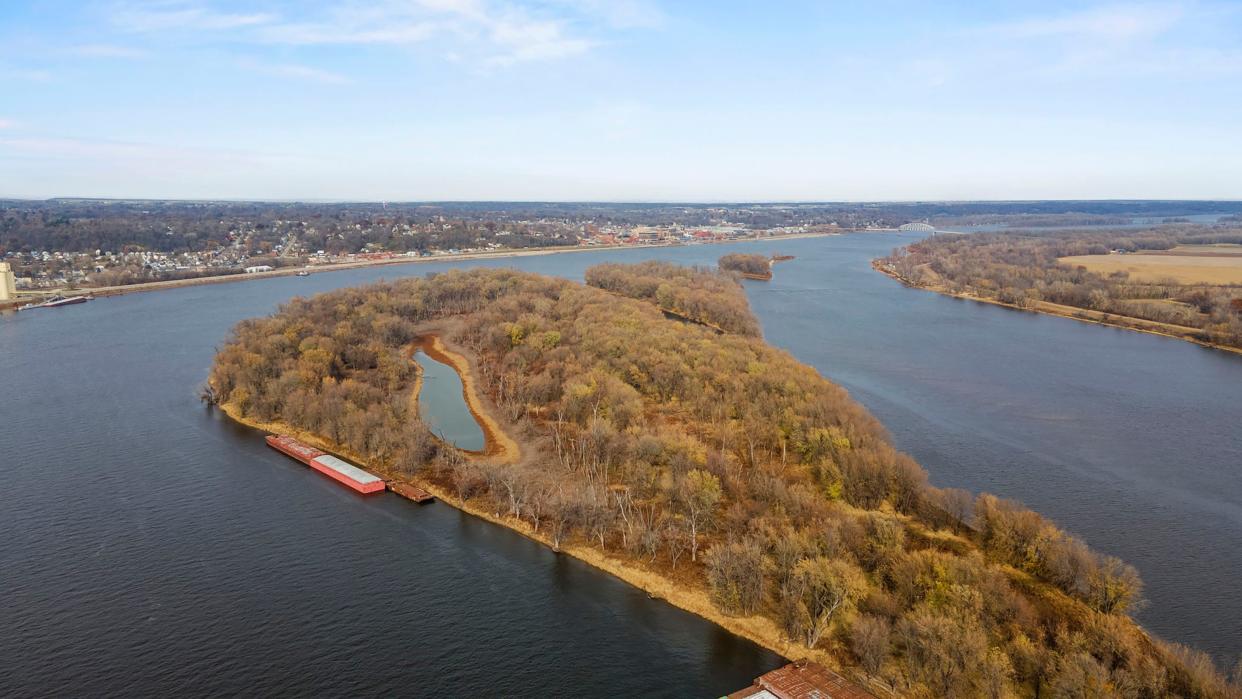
<point x="699" y="294"/>
<point x="751" y="265"/>
<point x="723" y="463"/>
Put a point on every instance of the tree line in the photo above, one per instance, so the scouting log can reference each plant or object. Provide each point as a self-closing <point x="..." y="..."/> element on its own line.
<point x="723" y="462"/>
<point x="1023" y="268"/>
<point x="756" y="265"/>
<point x="700" y="294"/>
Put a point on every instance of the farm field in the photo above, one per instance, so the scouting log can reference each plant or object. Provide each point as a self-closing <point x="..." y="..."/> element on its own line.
<point x="1188" y="264"/>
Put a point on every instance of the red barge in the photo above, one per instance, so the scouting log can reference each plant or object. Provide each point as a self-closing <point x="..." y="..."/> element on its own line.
<point x="323" y="462"/>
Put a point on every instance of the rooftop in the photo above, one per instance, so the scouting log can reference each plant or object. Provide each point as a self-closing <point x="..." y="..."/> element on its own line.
<point x="802" y="680"/>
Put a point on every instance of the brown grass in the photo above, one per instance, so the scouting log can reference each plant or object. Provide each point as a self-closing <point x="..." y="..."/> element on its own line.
<point x="1186" y="266"/>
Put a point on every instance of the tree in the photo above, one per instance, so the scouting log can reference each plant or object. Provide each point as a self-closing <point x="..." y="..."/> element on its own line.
<point x="943" y="654"/>
<point x="735" y="576"/>
<point x="1115" y="588"/>
<point x="958" y="505"/>
<point x="821" y="587"/>
<point x="869" y="641"/>
<point x="565" y="512"/>
<point x="700" y="493"/>
<point x="1080" y="676"/>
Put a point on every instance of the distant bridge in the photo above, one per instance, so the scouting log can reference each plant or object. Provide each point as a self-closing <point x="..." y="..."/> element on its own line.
<point x="917" y="227"/>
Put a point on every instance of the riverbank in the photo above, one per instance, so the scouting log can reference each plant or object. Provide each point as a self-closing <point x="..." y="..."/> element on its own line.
<point x="757" y="629"/>
<point x="1178" y="332"/>
<point x="340" y="266"/>
<point x="681" y="590"/>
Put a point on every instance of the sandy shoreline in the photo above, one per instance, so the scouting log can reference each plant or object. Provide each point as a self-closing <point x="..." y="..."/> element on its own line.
<point x="1084" y="315"/>
<point x="758" y="629"/>
<point x="339" y="266"/>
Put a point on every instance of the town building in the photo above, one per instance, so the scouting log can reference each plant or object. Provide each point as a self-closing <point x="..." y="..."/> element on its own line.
<point x="8" y="282"/>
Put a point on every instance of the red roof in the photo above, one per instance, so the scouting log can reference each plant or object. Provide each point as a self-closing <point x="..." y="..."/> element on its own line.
<point x="804" y="680"/>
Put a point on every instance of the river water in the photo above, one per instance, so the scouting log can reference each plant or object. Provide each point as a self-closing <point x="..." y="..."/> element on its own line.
<point x="150" y="546"/>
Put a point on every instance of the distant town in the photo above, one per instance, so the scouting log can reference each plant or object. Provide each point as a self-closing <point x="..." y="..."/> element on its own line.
<point x="65" y="244"/>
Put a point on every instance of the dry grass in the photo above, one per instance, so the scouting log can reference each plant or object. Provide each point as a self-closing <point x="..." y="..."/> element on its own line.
<point x="1216" y="265"/>
<point x="1203" y="250"/>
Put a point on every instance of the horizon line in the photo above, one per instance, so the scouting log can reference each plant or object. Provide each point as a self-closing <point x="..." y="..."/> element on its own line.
<point x="665" y="202"/>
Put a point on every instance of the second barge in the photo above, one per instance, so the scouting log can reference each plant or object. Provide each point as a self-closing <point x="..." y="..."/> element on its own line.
<point x="323" y="462"/>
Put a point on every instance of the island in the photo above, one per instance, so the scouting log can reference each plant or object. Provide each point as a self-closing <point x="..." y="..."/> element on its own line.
<point x="748" y="266"/>
<point x="1181" y="281"/>
<point x="692" y="459"/>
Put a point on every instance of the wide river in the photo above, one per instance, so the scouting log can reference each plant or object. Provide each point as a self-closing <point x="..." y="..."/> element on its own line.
<point x="150" y="546"/>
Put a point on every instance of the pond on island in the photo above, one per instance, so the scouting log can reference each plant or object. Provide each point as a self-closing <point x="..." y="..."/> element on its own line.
<point x="442" y="403"/>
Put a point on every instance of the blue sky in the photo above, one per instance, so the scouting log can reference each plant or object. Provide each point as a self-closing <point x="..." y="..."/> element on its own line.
<point x="627" y="100"/>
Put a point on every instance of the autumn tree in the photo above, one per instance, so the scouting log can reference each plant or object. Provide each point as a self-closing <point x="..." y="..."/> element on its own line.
<point x="700" y="494"/>
<point x="820" y="588"/>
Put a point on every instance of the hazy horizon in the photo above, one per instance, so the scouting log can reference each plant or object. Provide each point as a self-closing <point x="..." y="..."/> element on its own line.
<point x="631" y="101"/>
<point x="612" y="202"/>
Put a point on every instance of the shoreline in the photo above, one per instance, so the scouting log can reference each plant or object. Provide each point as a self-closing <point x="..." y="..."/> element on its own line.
<point x="1084" y="315"/>
<point x="695" y="599"/>
<point x="756" y="629"/>
<point x="100" y="292"/>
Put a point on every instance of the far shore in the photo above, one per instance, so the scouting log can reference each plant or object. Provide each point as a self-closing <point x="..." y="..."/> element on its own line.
<point x="29" y="295"/>
<point x="1178" y="332"/>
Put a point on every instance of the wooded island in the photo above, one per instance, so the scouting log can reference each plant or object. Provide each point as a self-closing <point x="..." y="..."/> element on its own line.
<point x="697" y="456"/>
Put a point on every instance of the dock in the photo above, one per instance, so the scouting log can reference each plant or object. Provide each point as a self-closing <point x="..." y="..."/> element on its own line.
<point x="411" y="492"/>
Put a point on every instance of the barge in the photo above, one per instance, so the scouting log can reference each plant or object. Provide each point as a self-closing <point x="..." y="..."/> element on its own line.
<point x="337" y="469"/>
<point x="411" y="492"/>
<point x="57" y="302"/>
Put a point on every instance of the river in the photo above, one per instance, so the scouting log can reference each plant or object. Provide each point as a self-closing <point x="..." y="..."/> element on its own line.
<point x="152" y="546"/>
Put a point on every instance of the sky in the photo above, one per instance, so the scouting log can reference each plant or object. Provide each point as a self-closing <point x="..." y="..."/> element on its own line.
<point x="632" y="100"/>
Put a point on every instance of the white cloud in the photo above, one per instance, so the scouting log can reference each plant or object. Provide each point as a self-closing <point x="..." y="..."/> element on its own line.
<point x="7" y="124"/>
<point x="622" y="14"/>
<point x="108" y="51"/>
<point x="294" y="71"/>
<point x="114" y="152"/>
<point x="519" y="39"/>
<point x="307" y="34"/>
<point x="1133" y="40"/>
<point x="488" y="32"/>
<point x="163" y="15"/>
<point x="500" y="34"/>
<point x="37" y="75"/>
<point x="1111" y="22"/>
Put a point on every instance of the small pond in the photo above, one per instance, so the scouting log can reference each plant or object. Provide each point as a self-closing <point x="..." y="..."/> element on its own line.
<point x="442" y="402"/>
